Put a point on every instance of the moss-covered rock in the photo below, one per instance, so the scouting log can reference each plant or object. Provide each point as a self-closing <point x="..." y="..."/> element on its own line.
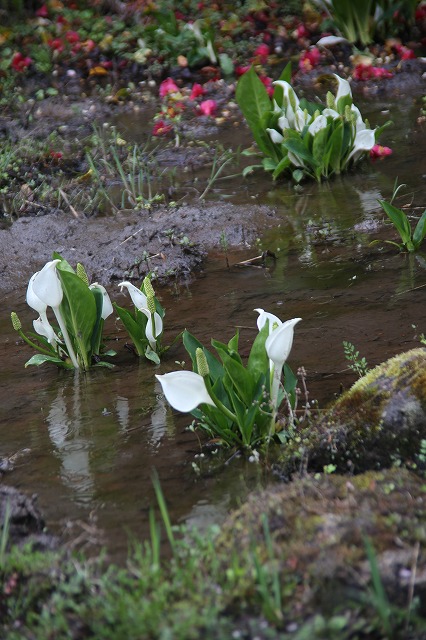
<point x="318" y="529"/>
<point x="379" y="422"/>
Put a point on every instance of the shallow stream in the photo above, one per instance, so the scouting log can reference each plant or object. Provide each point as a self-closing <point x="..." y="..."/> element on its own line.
<point x="89" y="443"/>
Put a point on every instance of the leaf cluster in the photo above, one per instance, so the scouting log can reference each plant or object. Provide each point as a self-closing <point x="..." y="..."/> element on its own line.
<point x="81" y="308"/>
<point x="244" y="391"/>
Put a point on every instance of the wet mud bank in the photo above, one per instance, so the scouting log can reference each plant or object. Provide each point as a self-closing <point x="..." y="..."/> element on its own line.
<point x="171" y="242"/>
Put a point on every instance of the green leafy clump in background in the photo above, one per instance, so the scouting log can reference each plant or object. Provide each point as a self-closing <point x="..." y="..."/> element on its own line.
<point x="303" y="138"/>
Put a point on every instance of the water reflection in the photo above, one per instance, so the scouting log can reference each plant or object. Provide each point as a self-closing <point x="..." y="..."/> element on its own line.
<point x="71" y="445"/>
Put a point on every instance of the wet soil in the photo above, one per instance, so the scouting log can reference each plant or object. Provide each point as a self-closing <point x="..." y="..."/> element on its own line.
<point x="127" y="245"/>
<point x="173" y="241"/>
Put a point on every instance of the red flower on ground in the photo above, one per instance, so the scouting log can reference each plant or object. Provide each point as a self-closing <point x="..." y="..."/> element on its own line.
<point x="262" y="52"/>
<point x="208" y="107"/>
<point x="56" y="155"/>
<point x="301" y="32"/>
<point x="309" y="59"/>
<point x="56" y="45"/>
<point x="72" y="37"/>
<point x="378" y="152"/>
<point x="161" y="128"/>
<point x="405" y="53"/>
<point x="268" y="84"/>
<point x="20" y="63"/>
<point x="168" y="86"/>
<point x="420" y="13"/>
<point x="42" y="12"/>
<point x="240" y="71"/>
<point x="367" y="71"/>
<point x="197" y="90"/>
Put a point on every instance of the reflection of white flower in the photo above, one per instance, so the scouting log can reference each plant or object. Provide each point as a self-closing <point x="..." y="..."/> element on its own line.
<point x="184" y="390"/>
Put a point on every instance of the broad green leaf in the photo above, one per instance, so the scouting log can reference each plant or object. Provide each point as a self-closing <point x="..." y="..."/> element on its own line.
<point x="241" y="377"/>
<point x="278" y="91"/>
<point x="319" y="145"/>
<point x="254" y="102"/>
<point x="40" y="358"/>
<point x="334" y="151"/>
<point x="269" y="164"/>
<point x="399" y="220"/>
<point x="281" y="166"/>
<point x="226" y="64"/>
<point x="258" y="361"/>
<point x="233" y="343"/>
<point x="290" y="383"/>
<point x="152" y="355"/>
<point x="249" y="170"/>
<point x="296" y="145"/>
<point x="79" y="309"/>
<point x="420" y="231"/>
<point x="133" y="328"/>
<point x="63" y="265"/>
<point x="191" y="344"/>
<point x="106" y="365"/>
<point x="225" y="348"/>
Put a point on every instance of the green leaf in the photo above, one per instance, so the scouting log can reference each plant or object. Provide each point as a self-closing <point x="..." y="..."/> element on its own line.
<point x="334" y="150"/>
<point x="133" y="328"/>
<point x="249" y="170"/>
<point x="258" y="361"/>
<point x="40" y="358"/>
<point x="241" y="378"/>
<point x="191" y="344"/>
<point x="233" y="343"/>
<point x="226" y="64"/>
<point x="152" y="355"/>
<point x="281" y="166"/>
<point x="420" y="231"/>
<point x="296" y="145"/>
<point x="106" y="365"/>
<point x="221" y="347"/>
<point x="278" y="91"/>
<point x="399" y="220"/>
<point x="63" y="265"/>
<point x="254" y="102"/>
<point x="79" y="309"/>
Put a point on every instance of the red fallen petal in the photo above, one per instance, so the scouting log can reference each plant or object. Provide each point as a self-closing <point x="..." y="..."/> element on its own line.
<point x="207" y="107"/>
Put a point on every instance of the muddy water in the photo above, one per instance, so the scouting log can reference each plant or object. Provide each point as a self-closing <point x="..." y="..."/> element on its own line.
<point x="89" y="443"/>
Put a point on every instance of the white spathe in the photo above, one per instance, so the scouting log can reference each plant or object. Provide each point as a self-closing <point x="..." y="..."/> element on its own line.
<point x="318" y="124"/>
<point x="343" y="89"/>
<point x="45" y="329"/>
<point x="47" y="286"/>
<point x="264" y="316"/>
<point x="275" y="136"/>
<point x="138" y="297"/>
<point x="184" y="390"/>
<point x="364" y="141"/>
<point x="151" y="332"/>
<point x="107" y="308"/>
<point x="279" y="342"/>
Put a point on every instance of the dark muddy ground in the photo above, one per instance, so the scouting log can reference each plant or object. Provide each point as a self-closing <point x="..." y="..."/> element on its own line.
<point x="131" y="243"/>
